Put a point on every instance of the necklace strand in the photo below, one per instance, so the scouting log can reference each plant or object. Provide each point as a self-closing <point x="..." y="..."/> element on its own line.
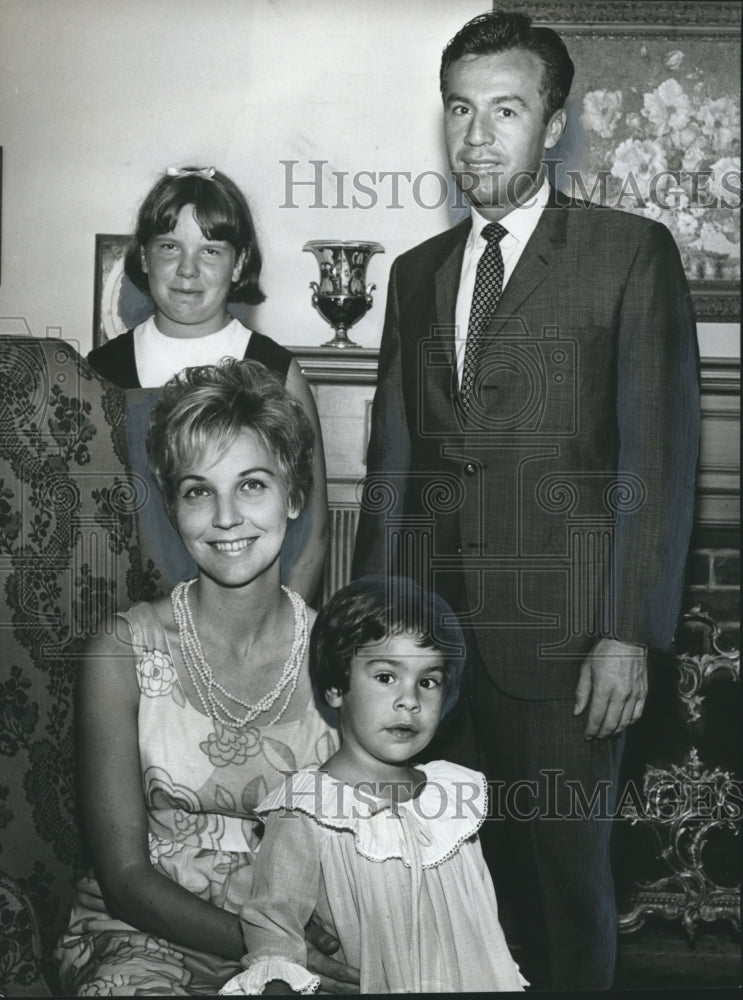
<point x="210" y="692"/>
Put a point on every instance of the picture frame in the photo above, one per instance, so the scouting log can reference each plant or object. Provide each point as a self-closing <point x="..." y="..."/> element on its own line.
<point x="655" y="95"/>
<point x="118" y="305"/>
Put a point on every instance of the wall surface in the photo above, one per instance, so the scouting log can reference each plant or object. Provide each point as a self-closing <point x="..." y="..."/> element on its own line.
<point x="98" y="98"/>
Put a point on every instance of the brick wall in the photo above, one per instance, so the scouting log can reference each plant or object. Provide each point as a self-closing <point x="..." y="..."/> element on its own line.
<point x="713" y="577"/>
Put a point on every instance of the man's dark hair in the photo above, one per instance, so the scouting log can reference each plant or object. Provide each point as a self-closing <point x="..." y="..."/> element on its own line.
<point x="502" y="31"/>
<point x="372" y="609"/>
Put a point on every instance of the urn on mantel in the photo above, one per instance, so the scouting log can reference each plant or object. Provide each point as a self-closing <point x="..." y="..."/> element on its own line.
<point x="342" y="297"/>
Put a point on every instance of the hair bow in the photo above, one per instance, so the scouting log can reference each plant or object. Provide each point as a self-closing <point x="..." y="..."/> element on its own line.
<point x="206" y="172"/>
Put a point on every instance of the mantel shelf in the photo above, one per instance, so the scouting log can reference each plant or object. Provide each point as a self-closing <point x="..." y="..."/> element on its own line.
<point x="332" y="364"/>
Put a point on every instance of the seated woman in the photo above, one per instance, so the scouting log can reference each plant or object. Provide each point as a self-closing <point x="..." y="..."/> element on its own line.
<point x="191" y="708"/>
<point x="193" y="251"/>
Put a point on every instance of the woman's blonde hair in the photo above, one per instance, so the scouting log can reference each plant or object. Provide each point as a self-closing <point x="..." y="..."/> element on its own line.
<point x="208" y="406"/>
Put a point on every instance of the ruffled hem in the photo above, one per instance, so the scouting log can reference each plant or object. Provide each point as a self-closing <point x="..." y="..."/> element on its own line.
<point x="252" y="981"/>
<point x="449" y="811"/>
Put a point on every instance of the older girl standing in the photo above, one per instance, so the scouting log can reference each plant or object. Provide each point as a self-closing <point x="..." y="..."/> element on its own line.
<point x="195" y="250"/>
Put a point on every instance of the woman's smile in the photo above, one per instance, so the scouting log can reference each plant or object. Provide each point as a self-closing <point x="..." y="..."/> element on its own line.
<point x="233" y="547"/>
<point x="231" y="509"/>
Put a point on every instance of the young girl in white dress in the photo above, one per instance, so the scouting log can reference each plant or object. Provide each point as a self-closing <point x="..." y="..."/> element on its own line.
<point x="382" y="850"/>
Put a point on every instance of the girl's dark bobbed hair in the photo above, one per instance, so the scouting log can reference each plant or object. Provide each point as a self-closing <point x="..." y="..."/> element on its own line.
<point x="222" y="213"/>
<point x="371" y="609"/>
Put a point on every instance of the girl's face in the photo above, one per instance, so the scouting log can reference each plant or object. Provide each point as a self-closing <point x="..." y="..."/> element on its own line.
<point x="231" y="508"/>
<point x="393" y="705"/>
<point x="189" y="278"/>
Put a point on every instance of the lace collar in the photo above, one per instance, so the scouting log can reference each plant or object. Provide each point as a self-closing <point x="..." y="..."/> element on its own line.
<point x="425" y="831"/>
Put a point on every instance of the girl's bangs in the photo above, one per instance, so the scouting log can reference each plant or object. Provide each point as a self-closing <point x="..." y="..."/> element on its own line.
<point x="213" y="212"/>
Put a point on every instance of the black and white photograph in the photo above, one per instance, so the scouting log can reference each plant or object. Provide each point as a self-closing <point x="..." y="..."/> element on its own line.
<point x="370" y="497"/>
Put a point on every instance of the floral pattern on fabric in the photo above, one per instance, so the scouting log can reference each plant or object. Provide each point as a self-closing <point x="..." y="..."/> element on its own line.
<point x="70" y="557"/>
<point x="231" y="746"/>
<point x="202" y="783"/>
<point x="155" y="674"/>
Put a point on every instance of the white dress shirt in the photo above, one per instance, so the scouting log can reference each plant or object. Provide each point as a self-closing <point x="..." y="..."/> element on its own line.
<point x="520" y="223"/>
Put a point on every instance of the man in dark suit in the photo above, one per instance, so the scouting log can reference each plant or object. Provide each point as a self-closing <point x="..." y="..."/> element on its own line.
<point x="532" y="458"/>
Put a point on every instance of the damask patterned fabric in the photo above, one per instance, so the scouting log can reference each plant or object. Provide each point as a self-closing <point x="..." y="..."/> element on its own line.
<point x="69" y="557"/>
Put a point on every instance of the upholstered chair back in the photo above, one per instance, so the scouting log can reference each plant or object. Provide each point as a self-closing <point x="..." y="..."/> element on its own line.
<point x="69" y="557"/>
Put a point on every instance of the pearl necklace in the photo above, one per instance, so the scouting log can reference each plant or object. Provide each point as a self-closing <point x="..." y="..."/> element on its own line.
<point x="210" y="691"/>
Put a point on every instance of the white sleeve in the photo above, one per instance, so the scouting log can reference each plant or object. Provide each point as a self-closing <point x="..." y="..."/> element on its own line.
<point x="286" y="882"/>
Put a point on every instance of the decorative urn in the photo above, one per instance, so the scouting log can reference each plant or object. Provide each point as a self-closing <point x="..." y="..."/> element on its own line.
<point x="342" y="296"/>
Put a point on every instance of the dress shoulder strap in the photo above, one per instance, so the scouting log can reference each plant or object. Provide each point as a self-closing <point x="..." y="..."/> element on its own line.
<point x="275" y="357"/>
<point x="115" y="361"/>
<point x="146" y="628"/>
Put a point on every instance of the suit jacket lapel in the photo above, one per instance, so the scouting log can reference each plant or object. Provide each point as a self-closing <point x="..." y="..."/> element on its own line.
<point x="535" y="263"/>
<point x="533" y="267"/>
<point x="447" y="282"/>
<point x="446" y="279"/>
<point x="446" y="286"/>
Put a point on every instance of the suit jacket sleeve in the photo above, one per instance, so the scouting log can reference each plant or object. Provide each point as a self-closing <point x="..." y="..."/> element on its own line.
<point x="657" y="398"/>
<point x="388" y="454"/>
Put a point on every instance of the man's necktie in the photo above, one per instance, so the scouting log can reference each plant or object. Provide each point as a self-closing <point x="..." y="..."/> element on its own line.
<point x="488" y="290"/>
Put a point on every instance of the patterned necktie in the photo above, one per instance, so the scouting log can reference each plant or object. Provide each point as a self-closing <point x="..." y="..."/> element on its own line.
<point x="488" y="289"/>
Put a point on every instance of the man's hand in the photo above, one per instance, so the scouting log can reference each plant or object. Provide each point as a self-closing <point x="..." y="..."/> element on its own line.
<point x="613" y="685"/>
<point x="335" y="977"/>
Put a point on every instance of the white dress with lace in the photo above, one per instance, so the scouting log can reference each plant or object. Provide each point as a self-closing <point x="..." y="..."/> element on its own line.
<point x="404" y="887"/>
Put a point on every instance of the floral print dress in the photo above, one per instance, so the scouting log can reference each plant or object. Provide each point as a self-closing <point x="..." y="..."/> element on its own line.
<point x="202" y="782"/>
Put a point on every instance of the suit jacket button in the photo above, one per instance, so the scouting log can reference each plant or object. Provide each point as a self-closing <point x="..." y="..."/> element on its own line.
<point x="470" y="468"/>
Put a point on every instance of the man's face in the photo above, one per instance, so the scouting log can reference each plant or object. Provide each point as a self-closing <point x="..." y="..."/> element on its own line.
<point x="495" y="128"/>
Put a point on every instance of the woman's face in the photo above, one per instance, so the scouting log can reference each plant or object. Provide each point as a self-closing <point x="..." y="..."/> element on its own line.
<point x="189" y="278"/>
<point x="231" y="508"/>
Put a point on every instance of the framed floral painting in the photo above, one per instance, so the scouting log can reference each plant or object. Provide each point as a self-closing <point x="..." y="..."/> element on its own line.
<point x="654" y="126"/>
